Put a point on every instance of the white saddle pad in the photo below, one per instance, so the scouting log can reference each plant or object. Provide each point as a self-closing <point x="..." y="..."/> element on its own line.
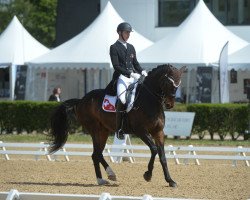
<point x="108" y="104"/>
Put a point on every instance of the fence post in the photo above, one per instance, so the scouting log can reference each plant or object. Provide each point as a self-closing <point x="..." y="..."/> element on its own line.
<point x="241" y="153"/>
<point x="192" y="152"/>
<point x="66" y="157"/>
<point x="13" y="195"/>
<point x="173" y="153"/>
<point x="108" y="151"/>
<point x="44" y="148"/>
<point x="124" y="142"/>
<point x="105" y="196"/>
<point x="147" y="197"/>
<point x="4" y="149"/>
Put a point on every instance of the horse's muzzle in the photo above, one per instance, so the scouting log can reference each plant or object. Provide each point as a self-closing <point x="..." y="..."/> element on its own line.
<point x="169" y="106"/>
<point x="169" y="103"/>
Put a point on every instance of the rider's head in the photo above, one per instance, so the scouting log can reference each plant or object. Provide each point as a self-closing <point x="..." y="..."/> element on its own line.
<point x="124" y="29"/>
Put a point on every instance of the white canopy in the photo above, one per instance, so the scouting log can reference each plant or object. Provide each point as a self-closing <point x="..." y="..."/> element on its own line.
<point x="90" y="48"/>
<point x="197" y="41"/>
<point x="240" y="59"/>
<point x="18" y="46"/>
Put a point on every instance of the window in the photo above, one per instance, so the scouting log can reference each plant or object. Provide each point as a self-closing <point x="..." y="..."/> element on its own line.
<point x="173" y="12"/>
<point x="228" y="12"/>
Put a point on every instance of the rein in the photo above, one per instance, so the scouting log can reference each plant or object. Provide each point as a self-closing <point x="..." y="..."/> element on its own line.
<point x="157" y="96"/>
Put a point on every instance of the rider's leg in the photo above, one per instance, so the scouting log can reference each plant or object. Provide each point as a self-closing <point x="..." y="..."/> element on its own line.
<point x="120" y="107"/>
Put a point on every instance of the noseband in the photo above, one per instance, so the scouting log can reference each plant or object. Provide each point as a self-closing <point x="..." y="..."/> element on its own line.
<point x="162" y="96"/>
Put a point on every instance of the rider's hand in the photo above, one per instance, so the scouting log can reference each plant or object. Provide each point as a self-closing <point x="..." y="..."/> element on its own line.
<point x="144" y="73"/>
<point x="136" y="76"/>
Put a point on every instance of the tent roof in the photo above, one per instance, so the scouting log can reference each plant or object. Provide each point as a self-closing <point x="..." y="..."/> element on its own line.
<point x="90" y="48"/>
<point x="240" y="59"/>
<point x="198" y="40"/>
<point x="18" y="46"/>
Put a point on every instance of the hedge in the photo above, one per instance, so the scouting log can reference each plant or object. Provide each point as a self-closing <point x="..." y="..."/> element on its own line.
<point x="25" y="116"/>
<point x="221" y="119"/>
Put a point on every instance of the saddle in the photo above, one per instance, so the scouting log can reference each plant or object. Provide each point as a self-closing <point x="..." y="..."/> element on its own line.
<point x="110" y="98"/>
<point x="109" y="101"/>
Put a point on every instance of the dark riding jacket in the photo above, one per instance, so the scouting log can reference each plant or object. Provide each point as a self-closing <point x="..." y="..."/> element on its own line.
<point x="124" y="62"/>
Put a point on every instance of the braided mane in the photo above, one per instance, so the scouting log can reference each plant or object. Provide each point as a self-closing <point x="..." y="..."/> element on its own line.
<point x="160" y="69"/>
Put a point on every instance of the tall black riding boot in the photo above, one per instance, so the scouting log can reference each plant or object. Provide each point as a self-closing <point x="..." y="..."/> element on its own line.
<point x="120" y="108"/>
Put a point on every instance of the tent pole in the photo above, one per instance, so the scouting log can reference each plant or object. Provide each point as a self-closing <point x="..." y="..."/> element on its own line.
<point x="12" y="81"/>
<point x="188" y="84"/>
<point x="46" y="84"/>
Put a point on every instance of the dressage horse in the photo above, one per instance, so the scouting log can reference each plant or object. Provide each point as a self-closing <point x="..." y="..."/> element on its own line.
<point x="146" y="120"/>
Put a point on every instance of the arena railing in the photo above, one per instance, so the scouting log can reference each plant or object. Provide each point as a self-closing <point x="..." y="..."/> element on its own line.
<point x="16" y="195"/>
<point x="118" y="153"/>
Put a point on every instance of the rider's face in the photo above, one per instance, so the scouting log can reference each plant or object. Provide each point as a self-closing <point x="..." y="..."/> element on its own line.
<point x="125" y="35"/>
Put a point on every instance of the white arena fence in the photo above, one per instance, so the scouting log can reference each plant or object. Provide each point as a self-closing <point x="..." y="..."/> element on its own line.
<point x="117" y="153"/>
<point x="16" y="195"/>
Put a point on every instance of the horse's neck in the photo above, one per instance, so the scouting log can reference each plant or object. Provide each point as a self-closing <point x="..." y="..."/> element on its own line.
<point x="149" y="94"/>
<point x="153" y="86"/>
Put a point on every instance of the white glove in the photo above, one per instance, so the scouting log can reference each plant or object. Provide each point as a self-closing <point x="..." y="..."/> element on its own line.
<point x="144" y="73"/>
<point x="136" y="76"/>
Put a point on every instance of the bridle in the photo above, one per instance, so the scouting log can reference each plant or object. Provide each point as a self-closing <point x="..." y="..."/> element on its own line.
<point x="162" y="96"/>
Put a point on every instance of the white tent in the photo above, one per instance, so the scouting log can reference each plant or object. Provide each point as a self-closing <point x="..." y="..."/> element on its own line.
<point x="90" y="48"/>
<point x="198" y="40"/>
<point x="87" y="54"/>
<point x="18" y="47"/>
<point x="240" y="59"/>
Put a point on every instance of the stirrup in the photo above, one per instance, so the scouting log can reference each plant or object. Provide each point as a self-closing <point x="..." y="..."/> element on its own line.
<point x="120" y="134"/>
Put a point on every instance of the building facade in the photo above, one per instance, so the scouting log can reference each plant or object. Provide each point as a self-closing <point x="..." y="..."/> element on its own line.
<point x="155" y="18"/>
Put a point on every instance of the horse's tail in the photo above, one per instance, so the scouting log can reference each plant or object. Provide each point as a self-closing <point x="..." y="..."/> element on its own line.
<point x="60" y="124"/>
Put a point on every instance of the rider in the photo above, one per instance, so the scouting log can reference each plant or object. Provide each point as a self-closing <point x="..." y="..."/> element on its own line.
<point x="127" y="70"/>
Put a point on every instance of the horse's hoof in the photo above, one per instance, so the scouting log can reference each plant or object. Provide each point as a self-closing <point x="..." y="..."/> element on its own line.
<point x="111" y="174"/>
<point x="172" y="184"/>
<point x="112" y="177"/>
<point x="101" y="181"/>
<point x="147" y="176"/>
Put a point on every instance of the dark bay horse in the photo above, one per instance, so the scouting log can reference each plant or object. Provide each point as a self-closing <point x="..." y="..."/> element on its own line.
<point x="146" y="120"/>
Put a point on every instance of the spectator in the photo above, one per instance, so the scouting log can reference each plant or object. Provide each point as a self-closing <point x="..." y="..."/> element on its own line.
<point x="56" y="96"/>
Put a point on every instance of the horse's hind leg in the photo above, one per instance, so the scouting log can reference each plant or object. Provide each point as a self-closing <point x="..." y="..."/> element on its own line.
<point x="111" y="175"/>
<point x="99" y="142"/>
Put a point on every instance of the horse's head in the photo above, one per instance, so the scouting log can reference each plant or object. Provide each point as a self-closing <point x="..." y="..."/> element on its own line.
<point x="170" y="80"/>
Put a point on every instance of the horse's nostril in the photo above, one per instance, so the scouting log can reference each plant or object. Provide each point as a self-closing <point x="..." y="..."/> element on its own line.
<point x="168" y="106"/>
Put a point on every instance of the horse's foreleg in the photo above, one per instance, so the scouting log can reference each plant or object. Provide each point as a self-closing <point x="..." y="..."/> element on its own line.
<point x="148" y="141"/>
<point x="163" y="160"/>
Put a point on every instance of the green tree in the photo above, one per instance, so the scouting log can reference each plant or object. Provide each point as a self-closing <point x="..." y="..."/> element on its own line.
<point x="37" y="16"/>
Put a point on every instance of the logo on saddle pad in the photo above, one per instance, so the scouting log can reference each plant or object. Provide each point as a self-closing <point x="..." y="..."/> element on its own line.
<point x="108" y="104"/>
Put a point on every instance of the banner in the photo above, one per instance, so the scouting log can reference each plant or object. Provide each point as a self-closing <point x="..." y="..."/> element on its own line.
<point x="178" y="123"/>
<point x="224" y="85"/>
<point x="203" y="84"/>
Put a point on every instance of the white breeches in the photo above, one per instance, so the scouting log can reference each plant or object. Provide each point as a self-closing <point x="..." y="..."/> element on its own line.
<point x="122" y="84"/>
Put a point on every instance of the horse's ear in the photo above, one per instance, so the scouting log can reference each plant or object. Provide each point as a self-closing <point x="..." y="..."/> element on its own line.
<point x="183" y="69"/>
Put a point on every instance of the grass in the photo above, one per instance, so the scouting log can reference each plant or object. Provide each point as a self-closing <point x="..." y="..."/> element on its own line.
<point x="86" y="139"/>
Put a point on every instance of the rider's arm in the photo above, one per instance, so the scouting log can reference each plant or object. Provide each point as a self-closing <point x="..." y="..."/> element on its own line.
<point x="136" y="64"/>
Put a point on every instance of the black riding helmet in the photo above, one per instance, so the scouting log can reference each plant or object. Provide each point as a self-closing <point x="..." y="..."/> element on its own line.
<point x="124" y="26"/>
